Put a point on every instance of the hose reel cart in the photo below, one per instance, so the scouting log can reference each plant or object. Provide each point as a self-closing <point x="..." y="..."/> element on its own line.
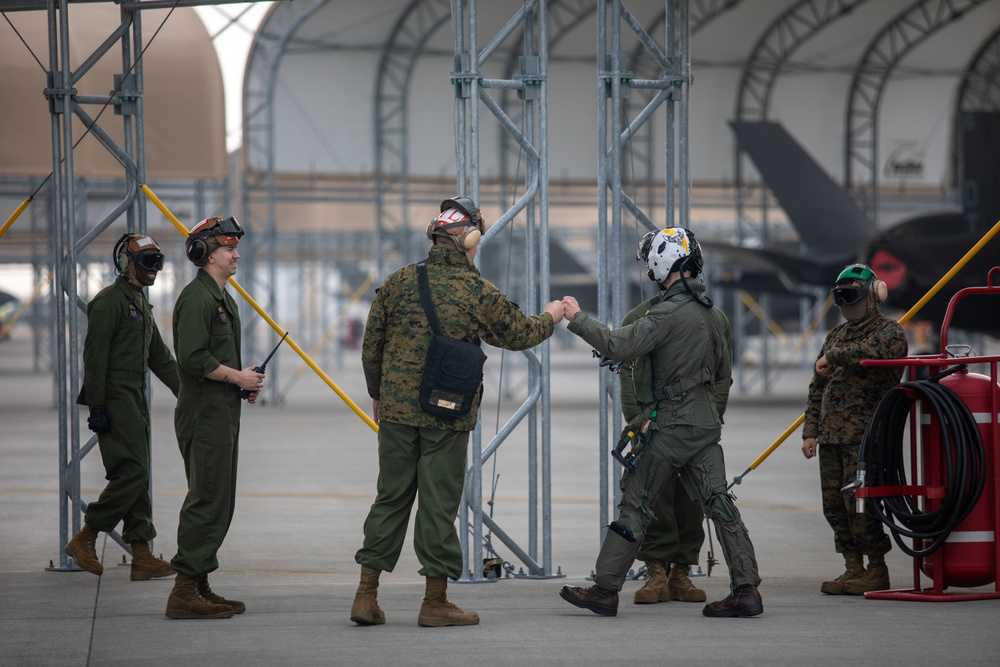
<point x="947" y="518"/>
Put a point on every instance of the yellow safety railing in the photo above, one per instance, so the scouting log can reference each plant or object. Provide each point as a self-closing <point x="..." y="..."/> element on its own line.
<point x="5" y="329"/>
<point x="267" y="318"/>
<point x="330" y="331"/>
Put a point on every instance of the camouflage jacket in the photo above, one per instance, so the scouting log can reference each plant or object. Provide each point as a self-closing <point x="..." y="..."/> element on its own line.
<point x="397" y="334"/>
<point x="841" y="404"/>
<point x="635" y="374"/>
<point x="123" y="342"/>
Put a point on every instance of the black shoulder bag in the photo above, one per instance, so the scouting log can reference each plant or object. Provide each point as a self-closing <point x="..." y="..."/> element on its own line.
<point x="453" y="371"/>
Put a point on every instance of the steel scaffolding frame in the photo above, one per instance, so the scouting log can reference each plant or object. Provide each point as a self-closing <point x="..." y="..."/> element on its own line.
<point x="672" y="92"/>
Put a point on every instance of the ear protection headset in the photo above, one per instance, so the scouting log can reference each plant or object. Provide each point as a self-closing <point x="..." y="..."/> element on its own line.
<point x="864" y="274"/>
<point x="459" y="212"/>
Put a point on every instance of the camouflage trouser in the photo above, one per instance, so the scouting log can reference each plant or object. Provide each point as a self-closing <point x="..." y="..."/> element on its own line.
<point x="704" y="476"/>
<point x="676" y="533"/>
<point x="838" y="466"/>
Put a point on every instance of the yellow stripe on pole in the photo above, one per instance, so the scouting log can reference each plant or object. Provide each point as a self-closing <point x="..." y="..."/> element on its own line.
<point x="902" y="320"/>
<point x="14" y="216"/>
<point x="267" y="318"/>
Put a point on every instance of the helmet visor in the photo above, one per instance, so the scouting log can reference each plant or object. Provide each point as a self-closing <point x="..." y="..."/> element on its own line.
<point x="847" y="295"/>
<point x="150" y="261"/>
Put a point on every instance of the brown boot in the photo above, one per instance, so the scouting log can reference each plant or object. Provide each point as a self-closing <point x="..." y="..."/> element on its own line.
<point x="205" y="591"/>
<point x="365" y="610"/>
<point x="744" y="601"/>
<point x="855" y="568"/>
<point x="437" y="612"/>
<point x="655" y="588"/>
<point x="145" y="565"/>
<point x="875" y="578"/>
<point x="184" y="601"/>
<point x="681" y="588"/>
<point x="596" y="599"/>
<point x="81" y="549"/>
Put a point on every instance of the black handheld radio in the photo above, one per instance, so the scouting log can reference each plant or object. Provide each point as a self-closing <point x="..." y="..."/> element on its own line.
<point x="243" y="393"/>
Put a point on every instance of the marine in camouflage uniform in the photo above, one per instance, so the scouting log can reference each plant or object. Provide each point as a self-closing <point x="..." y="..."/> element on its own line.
<point x="123" y="345"/>
<point x="843" y="396"/>
<point x="676" y="534"/>
<point x="420" y="453"/>
<point x="686" y="343"/>
<point x="207" y="419"/>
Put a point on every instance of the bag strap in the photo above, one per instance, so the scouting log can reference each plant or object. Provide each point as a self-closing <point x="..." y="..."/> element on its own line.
<point x="425" y="296"/>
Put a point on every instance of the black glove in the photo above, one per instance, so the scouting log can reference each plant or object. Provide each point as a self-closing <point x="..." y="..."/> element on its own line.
<point x="98" y="422"/>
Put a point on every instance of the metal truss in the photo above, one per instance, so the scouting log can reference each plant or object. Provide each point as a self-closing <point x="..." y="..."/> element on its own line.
<point x="903" y="33"/>
<point x="671" y="90"/>
<point x="767" y="61"/>
<point x="68" y="216"/>
<point x="473" y="91"/>
<point x="979" y="90"/>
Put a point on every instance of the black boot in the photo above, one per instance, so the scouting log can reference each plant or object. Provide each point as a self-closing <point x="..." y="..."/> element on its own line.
<point x="744" y="601"/>
<point x="595" y="598"/>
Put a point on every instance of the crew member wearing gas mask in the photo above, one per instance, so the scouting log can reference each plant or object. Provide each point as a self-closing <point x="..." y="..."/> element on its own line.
<point x="123" y="344"/>
<point x="843" y="396"/>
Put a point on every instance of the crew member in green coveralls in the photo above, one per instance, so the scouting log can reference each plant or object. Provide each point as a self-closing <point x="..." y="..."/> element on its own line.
<point x="421" y="453"/>
<point x="675" y="535"/>
<point x="123" y="344"/>
<point x="207" y="419"/>
<point x="688" y="356"/>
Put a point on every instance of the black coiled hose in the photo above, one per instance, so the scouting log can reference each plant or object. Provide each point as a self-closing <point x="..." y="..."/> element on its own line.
<point x="882" y="455"/>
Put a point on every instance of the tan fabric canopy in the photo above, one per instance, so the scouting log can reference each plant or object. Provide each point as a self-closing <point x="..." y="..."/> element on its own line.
<point x="183" y="100"/>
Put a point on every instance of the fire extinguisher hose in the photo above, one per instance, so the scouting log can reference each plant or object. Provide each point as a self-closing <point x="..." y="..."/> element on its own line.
<point x="883" y="459"/>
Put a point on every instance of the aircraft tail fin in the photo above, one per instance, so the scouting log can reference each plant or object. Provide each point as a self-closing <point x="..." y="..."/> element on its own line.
<point x="826" y="218"/>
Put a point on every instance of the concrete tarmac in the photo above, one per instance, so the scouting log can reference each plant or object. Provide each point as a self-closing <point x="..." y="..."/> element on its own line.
<point x="307" y="478"/>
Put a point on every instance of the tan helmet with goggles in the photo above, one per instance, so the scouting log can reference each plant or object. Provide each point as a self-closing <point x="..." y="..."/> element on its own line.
<point x="210" y="234"/>
<point x="139" y="250"/>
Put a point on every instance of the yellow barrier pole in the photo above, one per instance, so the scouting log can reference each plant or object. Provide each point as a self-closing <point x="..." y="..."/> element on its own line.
<point x="902" y="320"/>
<point x="332" y="329"/>
<point x="6" y="328"/>
<point x="762" y="316"/>
<point x="14" y="216"/>
<point x="267" y="318"/>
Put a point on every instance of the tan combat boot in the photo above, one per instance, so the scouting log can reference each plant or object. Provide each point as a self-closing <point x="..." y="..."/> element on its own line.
<point x="875" y="578"/>
<point x="680" y="586"/>
<point x="81" y="549"/>
<point x="655" y="588"/>
<point x="855" y="568"/>
<point x="185" y="602"/>
<point x="437" y="612"/>
<point x="145" y="565"/>
<point x="205" y="591"/>
<point x="365" y="610"/>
